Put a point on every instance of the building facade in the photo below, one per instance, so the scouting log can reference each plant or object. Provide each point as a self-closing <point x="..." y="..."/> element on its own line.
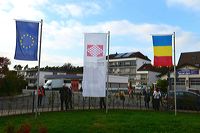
<point x="187" y="72"/>
<point x="31" y="76"/>
<point x="127" y="64"/>
<point x="148" y="74"/>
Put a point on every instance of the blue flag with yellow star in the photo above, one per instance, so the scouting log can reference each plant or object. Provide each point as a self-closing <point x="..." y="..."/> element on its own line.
<point x="26" y="40"/>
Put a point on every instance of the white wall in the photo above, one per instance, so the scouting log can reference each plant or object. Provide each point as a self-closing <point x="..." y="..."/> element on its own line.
<point x="152" y="77"/>
<point x="118" y="79"/>
<point x="42" y="79"/>
<point x="140" y="62"/>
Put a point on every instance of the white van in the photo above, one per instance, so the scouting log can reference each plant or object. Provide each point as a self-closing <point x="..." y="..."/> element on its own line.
<point x="55" y="84"/>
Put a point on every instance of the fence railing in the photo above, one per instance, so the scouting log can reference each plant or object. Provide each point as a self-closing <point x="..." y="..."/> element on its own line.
<point x="51" y="102"/>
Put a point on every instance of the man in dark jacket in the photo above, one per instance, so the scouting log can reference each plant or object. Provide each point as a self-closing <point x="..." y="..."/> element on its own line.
<point x="69" y="97"/>
<point x="102" y="103"/>
<point x="63" y="96"/>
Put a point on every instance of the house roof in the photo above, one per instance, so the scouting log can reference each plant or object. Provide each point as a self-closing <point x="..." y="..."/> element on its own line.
<point x="128" y="55"/>
<point x="189" y="58"/>
<point x="148" y="67"/>
<point x="68" y="76"/>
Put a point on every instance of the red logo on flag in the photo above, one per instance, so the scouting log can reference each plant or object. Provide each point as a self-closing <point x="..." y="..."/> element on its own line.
<point x="94" y="50"/>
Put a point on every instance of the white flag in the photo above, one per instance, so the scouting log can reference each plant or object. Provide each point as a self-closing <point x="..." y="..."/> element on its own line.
<point x="95" y="65"/>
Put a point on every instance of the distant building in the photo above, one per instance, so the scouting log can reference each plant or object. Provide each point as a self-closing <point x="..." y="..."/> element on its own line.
<point x="188" y="75"/>
<point x="148" y="74"/>
<point x="75" y="81"/>
<point x="31" y="76"/>
<point x="127" y="64"/>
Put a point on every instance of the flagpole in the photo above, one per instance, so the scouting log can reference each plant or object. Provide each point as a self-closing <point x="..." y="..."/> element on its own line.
<point x="38" y="76"/>
<point x="107" y="72"/>
<point x="175" y="109"/>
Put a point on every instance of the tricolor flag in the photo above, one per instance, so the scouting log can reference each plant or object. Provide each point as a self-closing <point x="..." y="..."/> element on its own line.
<point x="95" y="65"/>
<point x="162" y="46"/>
<point x="26" y="40"/>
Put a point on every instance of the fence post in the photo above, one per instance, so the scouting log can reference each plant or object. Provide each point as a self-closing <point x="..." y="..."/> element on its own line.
<point x="89" y="102"/>
<point x="140" y="95"/>
<point x="33" y="102"/>
<point x="83" y="103"/>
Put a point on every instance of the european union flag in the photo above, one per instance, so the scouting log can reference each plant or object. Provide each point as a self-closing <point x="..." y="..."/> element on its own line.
<point x="26" y="40"/>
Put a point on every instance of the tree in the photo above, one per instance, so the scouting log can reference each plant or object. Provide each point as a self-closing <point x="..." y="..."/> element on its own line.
<point x="162" y="84"/>
<point x="67" y="65"/>
<point x="12" y="84"/>
<point x="18" y="67"/>
<point x="26" y="67"/>
<point x="4" y="62"/>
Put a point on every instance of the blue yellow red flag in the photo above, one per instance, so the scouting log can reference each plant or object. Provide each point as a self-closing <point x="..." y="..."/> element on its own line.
<point x="162" y="46"/>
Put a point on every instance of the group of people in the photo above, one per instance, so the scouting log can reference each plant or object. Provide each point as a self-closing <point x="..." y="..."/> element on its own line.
<point x="66" y="97"/>
<point x="156" y="98"/>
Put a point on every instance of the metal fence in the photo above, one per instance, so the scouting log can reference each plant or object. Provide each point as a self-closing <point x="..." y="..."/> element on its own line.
<point x="25" y="103"/>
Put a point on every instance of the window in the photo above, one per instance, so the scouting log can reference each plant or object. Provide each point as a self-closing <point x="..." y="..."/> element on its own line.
<point x="127" y="70"/>
<point x="179" y="81"/>
<point x="194" y="81"/>
<point x="127" y="63"/>
<point x="133" y="63"/>
<point x="121" y="63"/>
<point x="67" y="81"/>
<point x="112" y="64"/>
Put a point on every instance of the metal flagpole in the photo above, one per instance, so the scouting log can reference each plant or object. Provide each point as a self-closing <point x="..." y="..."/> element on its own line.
<point x="107" y="72"/>
<point x="38" y="76"/>
<point x="174" y="76"/>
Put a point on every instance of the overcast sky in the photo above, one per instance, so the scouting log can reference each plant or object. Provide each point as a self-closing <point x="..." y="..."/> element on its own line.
<point x="130" y="22"/>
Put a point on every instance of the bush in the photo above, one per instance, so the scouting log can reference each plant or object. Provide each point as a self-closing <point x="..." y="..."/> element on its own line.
<point x="12" y="84"/>
<point x="24" y="128"/>
<point x="42" y="129"/>
<point x="162" y="84"/>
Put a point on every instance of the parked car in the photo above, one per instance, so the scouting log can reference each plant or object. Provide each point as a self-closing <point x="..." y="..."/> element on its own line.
<point x="184" y="100"/>
<point x="194" y="90"/>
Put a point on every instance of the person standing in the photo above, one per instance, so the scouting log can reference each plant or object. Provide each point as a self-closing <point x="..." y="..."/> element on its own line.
<point x="63" y="97"/>
<point x="146" y="98"/>
<point x="157" y="96"/>
<point x="102" y="103"/>
<point x="40" y="95"/>
<point x="69" y="97"/>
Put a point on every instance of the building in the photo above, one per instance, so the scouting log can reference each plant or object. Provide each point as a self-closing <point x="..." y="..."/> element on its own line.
<point x="187" y="71"/>
<point x="148" y="74"/>
<point x="56" y="81"/>
<point x="127" y="64"/>
<point x="31" y="76"/>
<point x="75" y="81"/>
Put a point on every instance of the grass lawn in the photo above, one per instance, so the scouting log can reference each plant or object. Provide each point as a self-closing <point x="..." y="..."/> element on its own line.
<point x="115" y="121"/>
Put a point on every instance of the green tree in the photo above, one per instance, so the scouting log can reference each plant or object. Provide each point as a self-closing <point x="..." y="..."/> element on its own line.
<point x="4" y="62"/>
<point x="18" y="67"/>
<point x="26" y="67"/>
<point x="162" y="84"/>
<point x="12" y="84"/>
